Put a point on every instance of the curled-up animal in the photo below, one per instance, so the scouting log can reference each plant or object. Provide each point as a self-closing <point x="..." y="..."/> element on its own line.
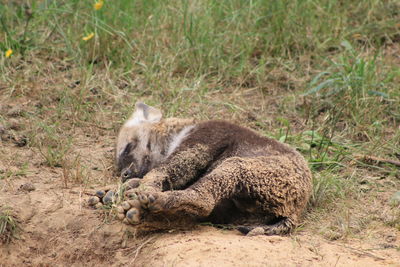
<point x="213" y="171"/>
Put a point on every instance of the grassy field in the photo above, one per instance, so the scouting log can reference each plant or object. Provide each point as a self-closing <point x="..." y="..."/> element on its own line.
<point x="321" y="75"/>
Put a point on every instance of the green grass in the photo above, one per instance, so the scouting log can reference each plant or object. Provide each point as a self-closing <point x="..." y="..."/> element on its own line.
<point x="7" y="174"/>
<point x="224" y="39"/>
<point x="9" y="226"/>
<point x="354" y="85"/>
<point x="319" y="75"/>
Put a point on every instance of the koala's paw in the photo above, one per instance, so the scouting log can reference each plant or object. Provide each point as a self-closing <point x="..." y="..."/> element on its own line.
<point x="129" y="212"/>
<point x="152" y="201"/>
<point x="109" y="195"/>
<point x="131" y="183"/>
<point x="101" y="198"/>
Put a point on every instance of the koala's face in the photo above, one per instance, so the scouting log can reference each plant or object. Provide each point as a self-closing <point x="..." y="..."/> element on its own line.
<point x="134" y="155"/>
<point x="134" y="158"/>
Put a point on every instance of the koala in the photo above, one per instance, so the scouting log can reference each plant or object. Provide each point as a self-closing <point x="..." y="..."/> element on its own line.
<point x="212" y="171"/>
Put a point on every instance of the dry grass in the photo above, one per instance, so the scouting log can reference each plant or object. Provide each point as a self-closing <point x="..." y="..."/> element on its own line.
<point x="9" y="226"/>
<point x="323" y="78"/>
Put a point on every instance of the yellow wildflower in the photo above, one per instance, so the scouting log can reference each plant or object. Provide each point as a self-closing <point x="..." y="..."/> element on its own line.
<point x="9" y="52"/>
<point x="88" y="37"/>
<point x="98" y="5"/>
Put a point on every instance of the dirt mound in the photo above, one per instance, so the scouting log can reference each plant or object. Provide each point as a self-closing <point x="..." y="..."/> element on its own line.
<point x="58" y="229"/>
<point x="208" y="246"/>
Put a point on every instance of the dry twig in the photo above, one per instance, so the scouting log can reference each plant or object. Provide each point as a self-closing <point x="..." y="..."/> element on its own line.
<point x="376" y="160"/>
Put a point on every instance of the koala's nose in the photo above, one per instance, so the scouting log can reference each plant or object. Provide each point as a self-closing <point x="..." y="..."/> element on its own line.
<point x="126" y="174"/>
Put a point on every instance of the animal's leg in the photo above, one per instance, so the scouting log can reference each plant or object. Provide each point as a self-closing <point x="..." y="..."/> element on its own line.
<point x="183" y="167"/>
<point x="282" y="186"/>
<point x="197" y="201"/>
<point x="282" y="227"/>
<point x="108" y="195"/>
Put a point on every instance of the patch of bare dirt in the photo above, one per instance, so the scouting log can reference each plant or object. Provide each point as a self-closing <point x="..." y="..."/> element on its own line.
<point x="59" y="229"/>
<point x="208" y="246"/>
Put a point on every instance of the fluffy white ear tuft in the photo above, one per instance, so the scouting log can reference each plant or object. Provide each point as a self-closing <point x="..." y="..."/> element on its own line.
<point x="144" y="113"/>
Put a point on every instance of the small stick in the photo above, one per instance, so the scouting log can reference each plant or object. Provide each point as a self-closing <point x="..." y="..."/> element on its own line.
<point x="376" y="159"/>
<point x="140" y="247"/>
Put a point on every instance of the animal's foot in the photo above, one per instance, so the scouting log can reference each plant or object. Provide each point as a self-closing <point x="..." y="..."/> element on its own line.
<point x="256" y="231"/>
<point x="152" y="201"/>
<point x="282" y="227"/>
<point x="102" y="197"/>
<point x="130" y="211"/>
<point x="131" y="183"/>
<point x="252" y="230"/>
<point x="137" y="202"/>
<point x="109" y="196"/>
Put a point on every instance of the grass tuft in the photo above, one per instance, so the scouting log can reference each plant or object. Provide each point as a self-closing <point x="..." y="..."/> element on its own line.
<point x="9" y="226"/>
<point x="320" y="75"/>
<point x="352" y="86"/>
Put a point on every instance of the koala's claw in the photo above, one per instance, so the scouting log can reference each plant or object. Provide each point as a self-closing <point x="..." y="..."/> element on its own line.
<point x="102" y="197"/>
<point x="131" y="194"/>
<point x="93" y="201"/>
<point x="107" y="196"/>
<point x="129" y="212"/>
<point x="133" y="216"/>
<point x="152" y="202"/>
<point x="100" y="193"/>
<point x="137" y="202"/>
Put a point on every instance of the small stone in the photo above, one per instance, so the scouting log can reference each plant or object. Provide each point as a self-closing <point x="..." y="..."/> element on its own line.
<point x="365" y="188"/>
<point x="108" y="198"/>
<point x="256" y="231"/>
<point x="100" y="193"/>
<point x="27" y="187"/>
<point x="14" y="124"/>
<point x="395" y="199"/>
<point x="21" y="142"/>
<point x="92" y="201"/>
<point x="98" y="205"/>
<point x="15" y="111"/>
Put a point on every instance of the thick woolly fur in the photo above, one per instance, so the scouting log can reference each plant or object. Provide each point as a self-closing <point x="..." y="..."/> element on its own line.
<point x="212" y="171"/>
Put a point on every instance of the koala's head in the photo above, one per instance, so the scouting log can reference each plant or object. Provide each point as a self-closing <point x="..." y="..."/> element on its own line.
<point x="135" y="155"/>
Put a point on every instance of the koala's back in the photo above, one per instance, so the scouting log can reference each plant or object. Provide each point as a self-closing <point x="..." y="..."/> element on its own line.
<point x="257" y="174"/>
<point x="232" y="140"/>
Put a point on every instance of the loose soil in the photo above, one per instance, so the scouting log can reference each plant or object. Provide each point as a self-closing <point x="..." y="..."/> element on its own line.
<point x="58" y="229"/>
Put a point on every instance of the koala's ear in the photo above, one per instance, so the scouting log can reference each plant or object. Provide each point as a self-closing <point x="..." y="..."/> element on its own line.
<point x="144" y="113"/>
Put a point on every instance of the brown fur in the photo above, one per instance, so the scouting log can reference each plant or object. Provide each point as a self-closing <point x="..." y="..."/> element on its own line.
<point x="227" y="174"/>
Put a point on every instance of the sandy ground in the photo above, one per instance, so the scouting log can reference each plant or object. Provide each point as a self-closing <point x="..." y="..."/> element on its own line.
<point x="58" y="229"/>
